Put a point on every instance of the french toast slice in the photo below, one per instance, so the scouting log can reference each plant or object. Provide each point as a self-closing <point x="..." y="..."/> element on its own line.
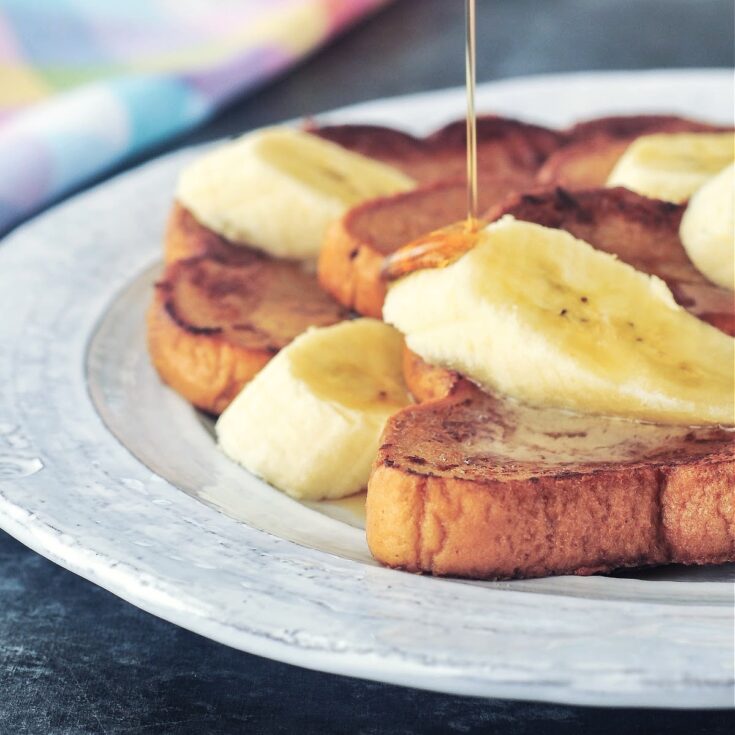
<point x="215" y="322"/>
<point x="475" y="485"/>
<point x="509" y="154"/>
<point x="594" y="147"/>
<point x="504" y="146"/>
<point x="641" y="232"/>
<point x="356" y="245"/>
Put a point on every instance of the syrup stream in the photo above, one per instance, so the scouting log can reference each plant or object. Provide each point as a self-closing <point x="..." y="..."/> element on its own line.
<point x="440" y="248"/>
<point x="471" y="116"/>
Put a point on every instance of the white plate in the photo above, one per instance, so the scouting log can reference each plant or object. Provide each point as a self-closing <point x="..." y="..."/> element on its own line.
<point x="111" y="475"/>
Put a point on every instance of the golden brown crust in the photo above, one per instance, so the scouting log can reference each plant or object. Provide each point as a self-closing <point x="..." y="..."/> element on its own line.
<point x="203" y="368"/>
<point x="427" y="382"/>
<point x="350" y="270"/>
<point x="504" y="146"/>
<point x="594" y="147"/>
<point x="478" y="486"/>
<point x="186" y="238"/>
<point x="214" y="324"/>
<point x="355" y="246"/>
<point x="632" y="126"/>
<point x="583" y="165"/>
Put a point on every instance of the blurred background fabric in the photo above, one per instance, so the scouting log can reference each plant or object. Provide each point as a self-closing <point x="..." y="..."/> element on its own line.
<point x="85" y="84"/>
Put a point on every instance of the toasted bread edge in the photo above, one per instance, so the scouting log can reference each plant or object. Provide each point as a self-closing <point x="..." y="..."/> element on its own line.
<point x="200" y="365"/>
<point x="565" y="524"/>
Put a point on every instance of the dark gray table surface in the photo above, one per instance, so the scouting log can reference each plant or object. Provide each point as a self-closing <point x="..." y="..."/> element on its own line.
<point x="75" y="659"/>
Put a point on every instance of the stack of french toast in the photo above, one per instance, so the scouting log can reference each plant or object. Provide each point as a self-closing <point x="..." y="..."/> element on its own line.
<point x="548" y="391"/>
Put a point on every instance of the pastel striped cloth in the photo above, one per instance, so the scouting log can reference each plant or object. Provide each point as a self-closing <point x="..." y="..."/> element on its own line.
<point x="85" y="84"/>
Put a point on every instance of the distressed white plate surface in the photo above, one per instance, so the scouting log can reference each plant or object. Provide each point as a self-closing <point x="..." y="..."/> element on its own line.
<point x="113" y="476"/>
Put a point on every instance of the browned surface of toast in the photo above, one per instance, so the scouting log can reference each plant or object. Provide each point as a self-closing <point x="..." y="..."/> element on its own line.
<point x="474" y="485"/>
<point x="583" y="165"/>
<point x="632" y="126"/>
<point x="504" y="146"/>
<point x="214" y="323"/>
<point x="186" y="238"/>
<point x="596" y="145"/>
<point x="355" y="247"/>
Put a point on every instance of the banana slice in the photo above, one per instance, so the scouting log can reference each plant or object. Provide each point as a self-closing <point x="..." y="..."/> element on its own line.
<point x="672" y="166"/>
<point x="278" y="189"/>
<point x="539" y="315"/>
<point x="310" y="421"/>
<point x="708" y="228"/>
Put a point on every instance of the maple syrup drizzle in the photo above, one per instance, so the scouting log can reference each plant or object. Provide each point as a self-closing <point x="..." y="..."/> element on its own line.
<point x="437" y="249"/>
<point x="472" y="223"/>
<point x="442" y="247"/>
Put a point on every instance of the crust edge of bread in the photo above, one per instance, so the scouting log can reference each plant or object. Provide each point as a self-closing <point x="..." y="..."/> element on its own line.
<point x="200" y="365"/>
<point x="623" y="518"/>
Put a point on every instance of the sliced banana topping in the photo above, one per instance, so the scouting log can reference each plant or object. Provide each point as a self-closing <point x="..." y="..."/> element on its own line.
<point x="672" y="166"/>
<point x="708" y="228"/>
<point x="278" y="189"/>
<point x="309" y="423"/>
<point x="537" y="314"/>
